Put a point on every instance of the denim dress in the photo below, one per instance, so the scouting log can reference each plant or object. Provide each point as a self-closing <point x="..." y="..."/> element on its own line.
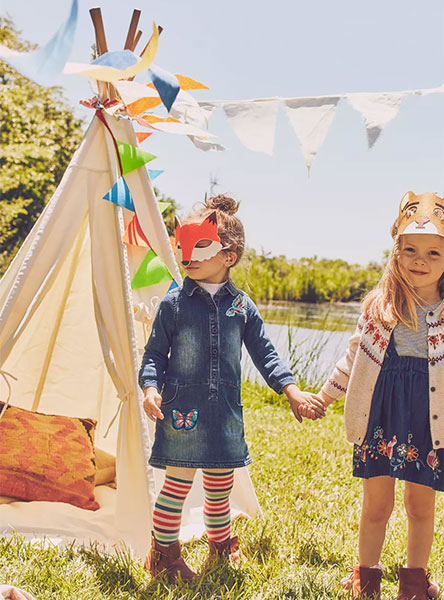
<point x="193" y="357"/>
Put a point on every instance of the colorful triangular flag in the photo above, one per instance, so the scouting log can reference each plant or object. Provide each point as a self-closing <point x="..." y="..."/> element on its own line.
<point x="153" y="174"/>
<point x="132" y="157"/>
<point x="119" y="194"/>
<point x="173" y="285"/>
<point x="163" y="206"/>
<point x="134" y="234"/>
<point x="152" y="270"/>
<point x="141" y="135"/>
<point x="166" y="84"/>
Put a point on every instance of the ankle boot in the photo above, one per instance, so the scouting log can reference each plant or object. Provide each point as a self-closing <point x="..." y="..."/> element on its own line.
<point x="364" y="582"/>
<point x="169" y="559"/>
<point x="415" y="584"/>
<point x="229" y="548"/>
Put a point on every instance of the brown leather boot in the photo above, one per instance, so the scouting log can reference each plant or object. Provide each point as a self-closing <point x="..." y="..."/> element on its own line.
<point x="168" y="558"/>
<point x="415" y="584"/>
<point x="364" y="582"/>
<point x="229" y="548"/>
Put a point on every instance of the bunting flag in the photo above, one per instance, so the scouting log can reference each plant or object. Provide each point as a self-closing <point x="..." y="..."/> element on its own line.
<point x="173" y="286"/>
<point x="186" y="83"/>
<point x="166" y="84"/>
<point x="142" y="135"/>
<point x="131" y="91"/>
<point x="106" y="72"/>
<point x="134" y="235"/>
<point x="311" y="119"/>
<point x="46" y="63"/>
<point x="163" y="206"/>
<point x="119" y="194"/>
<point x="153" y="173"/>
<point x="254" y="123"/>
<point x="132" y="157"/>
<point x="377" y="109"/>
<point x="152" y="270"/>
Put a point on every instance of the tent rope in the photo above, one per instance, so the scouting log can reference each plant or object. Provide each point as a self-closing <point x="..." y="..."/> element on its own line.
<point x="5" y="376"/>
<point x="122" y="400"/>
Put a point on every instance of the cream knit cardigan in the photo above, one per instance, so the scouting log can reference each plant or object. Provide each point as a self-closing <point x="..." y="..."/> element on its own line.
<point x="356" y="373"/>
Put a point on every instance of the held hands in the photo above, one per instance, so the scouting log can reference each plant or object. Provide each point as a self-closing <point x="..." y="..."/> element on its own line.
<point x="305" y="404"/>
<point x="152" y="403"/>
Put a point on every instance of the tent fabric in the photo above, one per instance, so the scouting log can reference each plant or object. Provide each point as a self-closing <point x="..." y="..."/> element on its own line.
<point x="68" y="334"/>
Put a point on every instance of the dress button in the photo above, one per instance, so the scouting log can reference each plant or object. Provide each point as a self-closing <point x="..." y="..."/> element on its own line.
<point x="432" y="362"/>
<point x="435" y="417"/>
<point x="431" y="313"/>
<point x="437" y="443"/>
<point x="433" y="389"/>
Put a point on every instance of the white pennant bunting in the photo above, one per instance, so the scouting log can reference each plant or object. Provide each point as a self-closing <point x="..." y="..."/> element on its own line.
<point x="189" y="111"/>
<point x="311" y="119"/>
<point x="254" y="123"/>
<point x="378" y="109"/>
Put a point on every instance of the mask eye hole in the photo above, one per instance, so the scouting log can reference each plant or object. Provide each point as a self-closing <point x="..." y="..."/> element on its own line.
<point x="439" y="213"/>
<point x="203" y="243"/>
<point x="410" y="211"/>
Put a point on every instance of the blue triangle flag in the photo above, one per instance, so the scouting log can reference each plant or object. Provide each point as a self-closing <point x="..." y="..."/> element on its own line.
<point x="172" y="286"/>
<point x="120" y="195"/>
<point x="154" y="173"/>
<point x="166" y="84"/>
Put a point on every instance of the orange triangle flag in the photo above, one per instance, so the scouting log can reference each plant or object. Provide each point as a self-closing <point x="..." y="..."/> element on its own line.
<point x="141" y="105"/>
<point x="134" y="234"/>
<point x="186" y="83"/>
<point x="141" y="136"/>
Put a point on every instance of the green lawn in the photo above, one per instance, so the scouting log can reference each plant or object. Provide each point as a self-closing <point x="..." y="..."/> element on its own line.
<point x="301" y="548"/>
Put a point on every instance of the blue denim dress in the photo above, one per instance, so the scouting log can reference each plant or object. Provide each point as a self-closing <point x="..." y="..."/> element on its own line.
<point x="193" y="357"/>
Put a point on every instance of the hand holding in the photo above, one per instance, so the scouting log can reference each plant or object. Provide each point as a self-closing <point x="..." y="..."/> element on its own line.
<point x="304" y="404"/>
<point x="152" y="403"/>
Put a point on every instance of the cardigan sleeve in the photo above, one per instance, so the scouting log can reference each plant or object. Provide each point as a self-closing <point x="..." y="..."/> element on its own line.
<point x="336" y="385"/>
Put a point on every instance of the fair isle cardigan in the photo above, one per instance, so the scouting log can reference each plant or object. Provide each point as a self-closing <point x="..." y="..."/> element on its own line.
<point x="356" y="373"/>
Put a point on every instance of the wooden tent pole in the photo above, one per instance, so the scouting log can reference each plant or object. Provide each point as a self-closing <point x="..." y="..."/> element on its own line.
<point x="136" y="39"/>
<point x="96" y="16"/>
<point x="129" y="43"/>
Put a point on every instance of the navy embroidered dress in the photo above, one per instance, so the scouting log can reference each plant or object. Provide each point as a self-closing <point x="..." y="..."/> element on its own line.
<point x="398" y="441"/>
<point x="193" y="357"/>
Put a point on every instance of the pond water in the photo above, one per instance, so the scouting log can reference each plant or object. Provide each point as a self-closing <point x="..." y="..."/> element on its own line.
<point x="309" y="337"/>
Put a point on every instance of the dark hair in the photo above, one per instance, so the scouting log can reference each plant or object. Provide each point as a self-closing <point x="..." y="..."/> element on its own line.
<point x="230" y="229"/>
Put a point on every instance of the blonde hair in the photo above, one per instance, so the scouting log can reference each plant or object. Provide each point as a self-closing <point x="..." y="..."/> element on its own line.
<point x="394" y="298"/>
<point x="229" y="228"/>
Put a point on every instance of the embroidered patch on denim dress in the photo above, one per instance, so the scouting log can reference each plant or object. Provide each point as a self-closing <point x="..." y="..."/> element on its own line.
<point x="238" y="307"/>
<point x="182" y="421"/>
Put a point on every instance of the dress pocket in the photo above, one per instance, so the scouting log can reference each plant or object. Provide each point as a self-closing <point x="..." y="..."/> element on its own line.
<point x="169" y="393"/>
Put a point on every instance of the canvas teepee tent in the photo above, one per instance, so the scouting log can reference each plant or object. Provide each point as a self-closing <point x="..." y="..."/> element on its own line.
<point x="69" y="336"/>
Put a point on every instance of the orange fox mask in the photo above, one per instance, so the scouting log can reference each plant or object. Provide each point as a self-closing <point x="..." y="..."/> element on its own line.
<point x="190" y="234"/>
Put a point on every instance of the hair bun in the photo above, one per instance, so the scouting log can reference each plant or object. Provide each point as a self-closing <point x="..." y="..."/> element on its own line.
<point x="222" y="203"/>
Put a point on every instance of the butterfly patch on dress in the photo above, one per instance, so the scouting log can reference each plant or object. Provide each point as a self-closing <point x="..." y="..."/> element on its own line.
<point x="239" y="307"/>
<point x="182" y="421"/>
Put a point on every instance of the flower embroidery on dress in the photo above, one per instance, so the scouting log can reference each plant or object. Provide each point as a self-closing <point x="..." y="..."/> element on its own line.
<point x="238" y="307"/>
<point x="397" y="454"/>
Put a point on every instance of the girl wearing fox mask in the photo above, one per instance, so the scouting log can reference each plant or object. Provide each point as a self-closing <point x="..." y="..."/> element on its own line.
<point x="393" y="377"/>
<point x="191" y="379"/>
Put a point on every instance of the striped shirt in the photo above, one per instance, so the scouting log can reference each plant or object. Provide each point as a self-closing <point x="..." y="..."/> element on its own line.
<point x="411" y="342"/>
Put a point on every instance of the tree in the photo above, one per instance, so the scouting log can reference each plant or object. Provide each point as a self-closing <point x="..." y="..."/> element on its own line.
<point x="38" y="135"/>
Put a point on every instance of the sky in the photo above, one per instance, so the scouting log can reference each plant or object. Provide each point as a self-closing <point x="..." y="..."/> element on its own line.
<point x="254" y="49"/>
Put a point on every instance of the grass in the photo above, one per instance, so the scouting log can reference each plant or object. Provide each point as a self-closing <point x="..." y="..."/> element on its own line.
<point x="299" y="550"/>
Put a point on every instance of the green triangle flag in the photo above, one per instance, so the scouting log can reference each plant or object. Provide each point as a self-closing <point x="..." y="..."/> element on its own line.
<point x="152" y="270"/>
<point x="163" y="206"/>
<point x="132" y="157"/>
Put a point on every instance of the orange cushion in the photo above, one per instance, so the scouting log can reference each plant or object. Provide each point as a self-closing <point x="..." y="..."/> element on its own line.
<point x="47" y="457"/>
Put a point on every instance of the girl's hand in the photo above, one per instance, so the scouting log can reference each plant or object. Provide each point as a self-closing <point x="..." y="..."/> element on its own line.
<point x="152" y="403"/>
<point x="304" y="404"/>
